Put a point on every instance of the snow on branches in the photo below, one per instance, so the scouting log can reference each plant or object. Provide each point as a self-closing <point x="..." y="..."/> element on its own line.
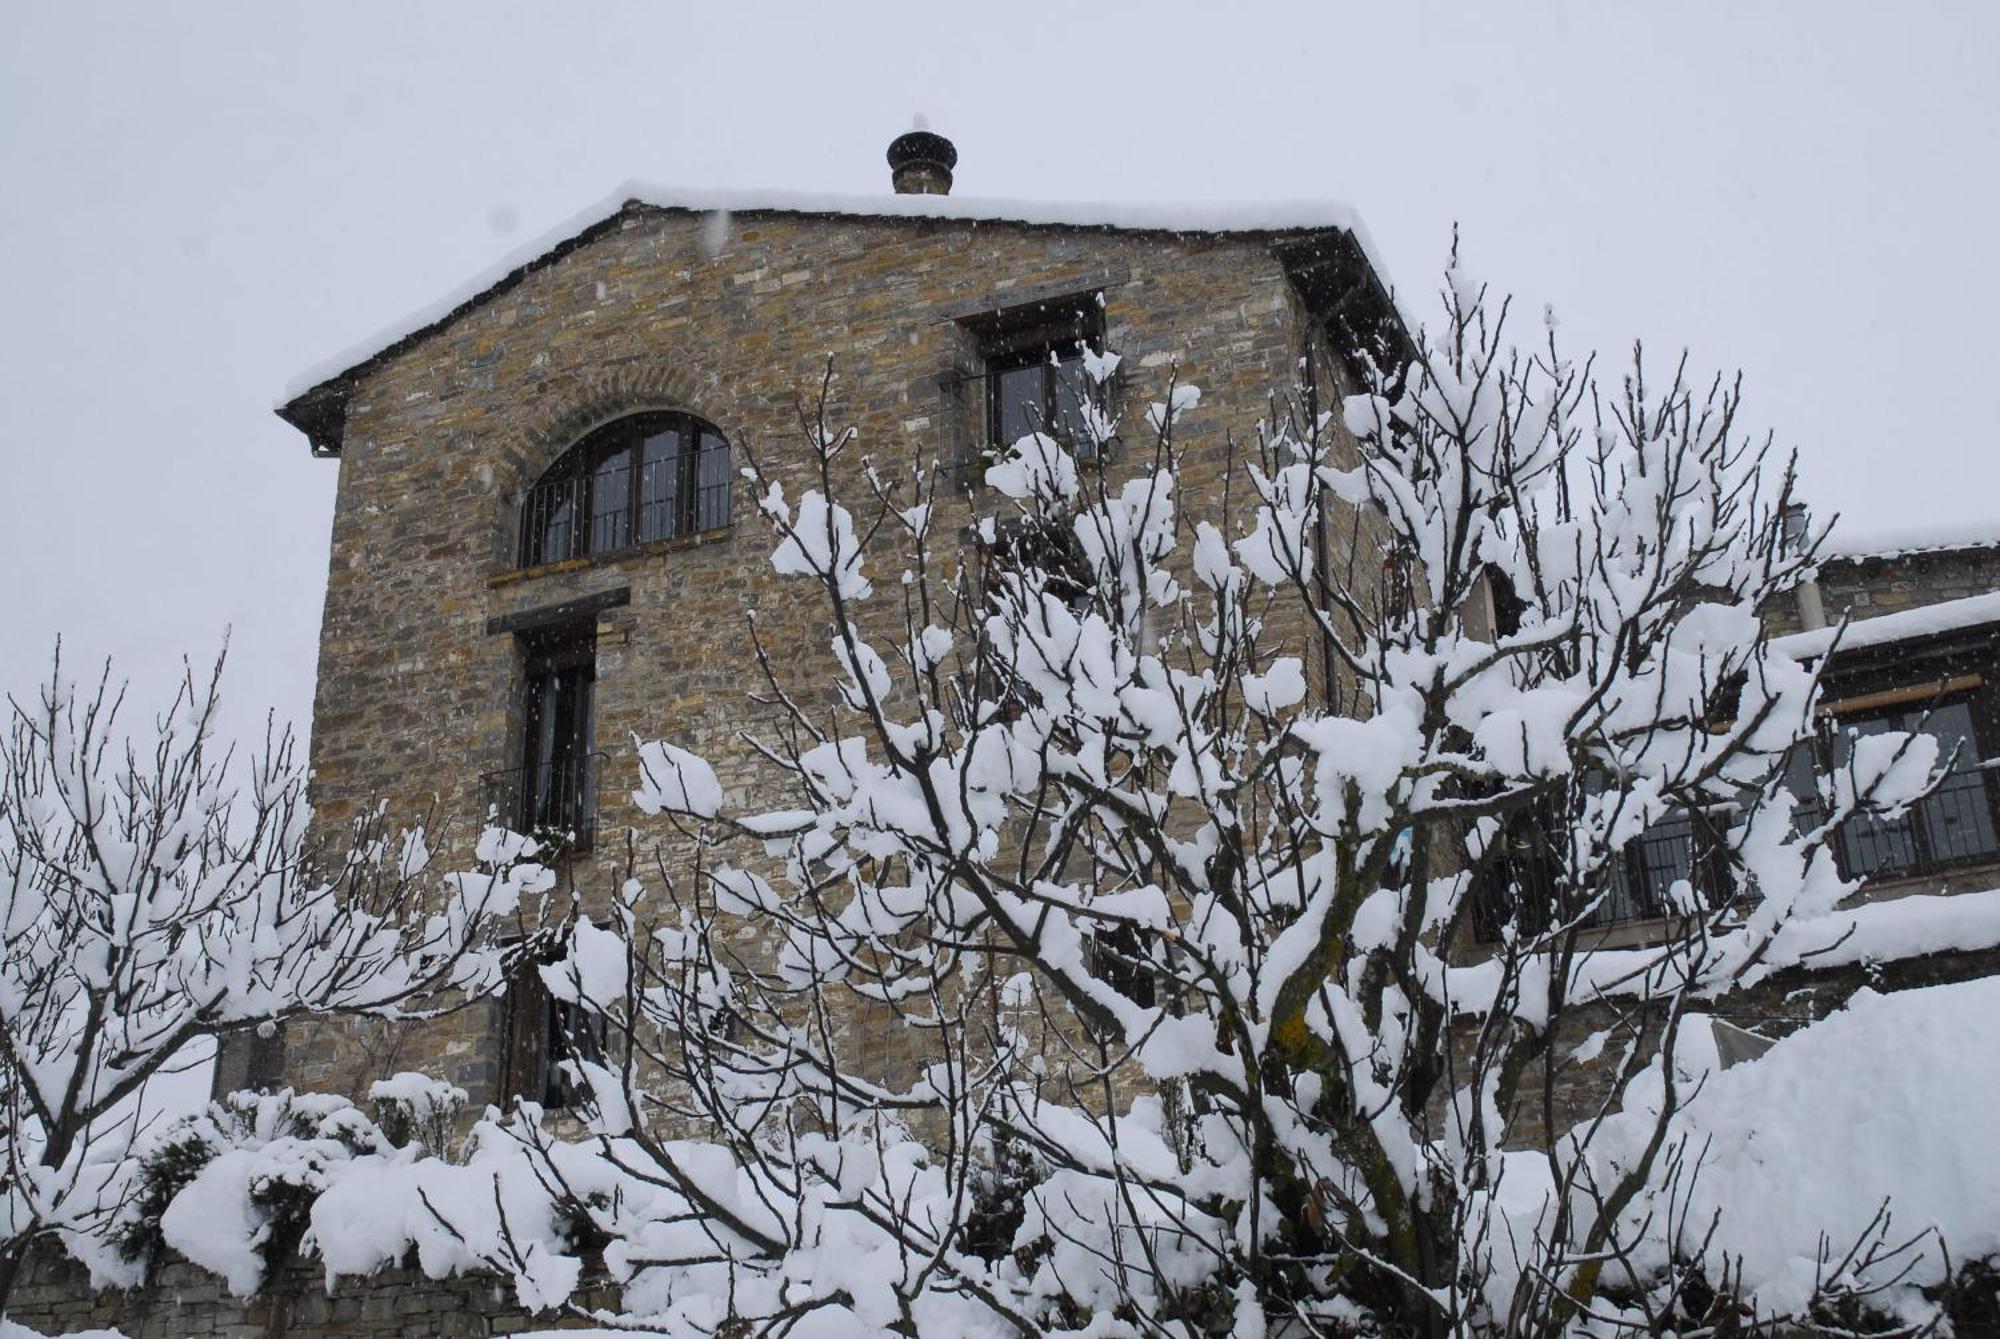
<point x="1185" y="910"/>
<point x="1228" y="873"/>
<point x="156" y="890"/>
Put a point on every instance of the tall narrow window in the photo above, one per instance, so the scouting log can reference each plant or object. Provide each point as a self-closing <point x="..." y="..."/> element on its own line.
<point x="647" y="477"/>
<point x="542" y="1033"/>
<point x="556" y="797"/>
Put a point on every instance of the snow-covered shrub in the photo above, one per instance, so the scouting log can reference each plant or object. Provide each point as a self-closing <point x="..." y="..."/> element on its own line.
<point x="159" y="892"/>
<point x="416" y="1111"/>
<point x="231" y="1188"/>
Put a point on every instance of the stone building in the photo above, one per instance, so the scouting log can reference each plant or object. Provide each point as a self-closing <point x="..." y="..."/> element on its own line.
<point x="495" y="634"/>
<point x="537" y="550"/>
<point x="1920" y="650"/>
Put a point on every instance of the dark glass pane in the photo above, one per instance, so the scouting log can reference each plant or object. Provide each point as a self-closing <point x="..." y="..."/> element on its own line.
<point x="1958" y="815"/>
<point x="1649" y="869"/>
<point x="1871" y="843"/>
<point x="550" y="529"/>
<point x="660" y="485"/>
<point x="1019" y="403"/>
<point x="559" y="741"/>
<point x="712" y="482"/>
<point x="611" y="501"/>
<point x="1070" y="387"/>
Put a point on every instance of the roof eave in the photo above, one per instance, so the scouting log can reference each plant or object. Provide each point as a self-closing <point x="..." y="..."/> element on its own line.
<point x="321" y="414"/>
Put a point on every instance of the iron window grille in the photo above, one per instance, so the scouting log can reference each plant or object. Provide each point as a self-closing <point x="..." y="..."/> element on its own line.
<point x="648" y="477"/>
<point x="1956" y="825"/>
<point x="1678" y="866"/>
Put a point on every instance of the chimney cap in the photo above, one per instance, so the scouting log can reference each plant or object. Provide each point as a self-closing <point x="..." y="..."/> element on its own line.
<point x="922" y="146"/>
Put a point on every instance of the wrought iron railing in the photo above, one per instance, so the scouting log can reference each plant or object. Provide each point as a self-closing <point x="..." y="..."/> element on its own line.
<point x="554" y="802"/>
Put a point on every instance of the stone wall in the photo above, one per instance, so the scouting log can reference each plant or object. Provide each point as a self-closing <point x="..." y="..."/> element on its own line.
<point x="183" y="1301"/>
<point x="1864" y="586"/>
<point x="417" y="700"/>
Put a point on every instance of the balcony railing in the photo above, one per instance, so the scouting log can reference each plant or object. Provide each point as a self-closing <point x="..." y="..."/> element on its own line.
<point x="554" y="802"/>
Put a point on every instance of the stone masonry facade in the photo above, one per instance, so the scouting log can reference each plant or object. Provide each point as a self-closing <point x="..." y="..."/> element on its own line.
<point x="1868" y="585"/>
<point x="733" y="319"/>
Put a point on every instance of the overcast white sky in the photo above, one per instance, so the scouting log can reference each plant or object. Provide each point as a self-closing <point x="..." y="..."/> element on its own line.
<point x="198" y="201"/>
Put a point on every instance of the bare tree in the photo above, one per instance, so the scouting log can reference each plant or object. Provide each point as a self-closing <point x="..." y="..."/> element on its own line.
<point x="1234" y="889"/>
<point x="158" y="889"/>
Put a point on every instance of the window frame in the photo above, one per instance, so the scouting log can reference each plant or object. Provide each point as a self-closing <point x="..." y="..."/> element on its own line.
<point x="1049" y="360"/>
<point x="1909" y="710"/>
<point x="567" y="817"/>
<point x="1632" y="893"/>
<point x="697" y="507"/>
<point x="1050" y="335"/>
<point x="539" y="1032"/>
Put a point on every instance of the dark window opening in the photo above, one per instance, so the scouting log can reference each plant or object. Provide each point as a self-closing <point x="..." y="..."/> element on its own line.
<point x="1118" y="959"/>
<point x="1039" y="390"/>
<point x="1508" y="606"/>
<point x="543" y="1032"/>
<point x="1954" y="825"/>
<point x="552" y="795"/>
<point x="644" y="478"/>
<point x="1035" y="375"/>
<point x="1678" y="866"/>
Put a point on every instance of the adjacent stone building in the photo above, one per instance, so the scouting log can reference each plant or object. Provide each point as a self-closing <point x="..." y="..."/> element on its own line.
<point x="1908" y="630"/>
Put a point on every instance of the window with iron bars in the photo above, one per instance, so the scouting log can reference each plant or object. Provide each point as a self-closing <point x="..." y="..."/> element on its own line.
<point x="552" y="795"/>
<point x="1676" y="866"/>
<point x="648" y="477"/>
<point x="1954" y="826"/>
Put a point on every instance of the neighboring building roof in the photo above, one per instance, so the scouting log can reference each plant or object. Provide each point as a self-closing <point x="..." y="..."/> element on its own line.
<point x="1330" y="278"/>
<point x="1907" y="625"/>
<point x="1908" y="542"/>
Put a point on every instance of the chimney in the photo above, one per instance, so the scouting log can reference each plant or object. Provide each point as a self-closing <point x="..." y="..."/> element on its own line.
<point x="1797" y="535"/>
<point x="920" y="162"/>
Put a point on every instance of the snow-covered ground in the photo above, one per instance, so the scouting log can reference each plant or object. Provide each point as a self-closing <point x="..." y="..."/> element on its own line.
<point x="1894" y="1099"/>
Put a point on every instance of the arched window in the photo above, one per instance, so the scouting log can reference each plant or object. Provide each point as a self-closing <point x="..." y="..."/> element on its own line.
<point x="647" y="477"/>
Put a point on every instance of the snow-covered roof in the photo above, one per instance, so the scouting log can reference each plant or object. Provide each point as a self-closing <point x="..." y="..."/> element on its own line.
<point x="1886" y="629"/>
<point x="1289" y="216"/>
<point x="1901" y="541"/>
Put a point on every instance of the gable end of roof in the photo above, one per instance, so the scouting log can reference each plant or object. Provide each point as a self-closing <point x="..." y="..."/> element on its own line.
<point x="1325" y="253"/>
